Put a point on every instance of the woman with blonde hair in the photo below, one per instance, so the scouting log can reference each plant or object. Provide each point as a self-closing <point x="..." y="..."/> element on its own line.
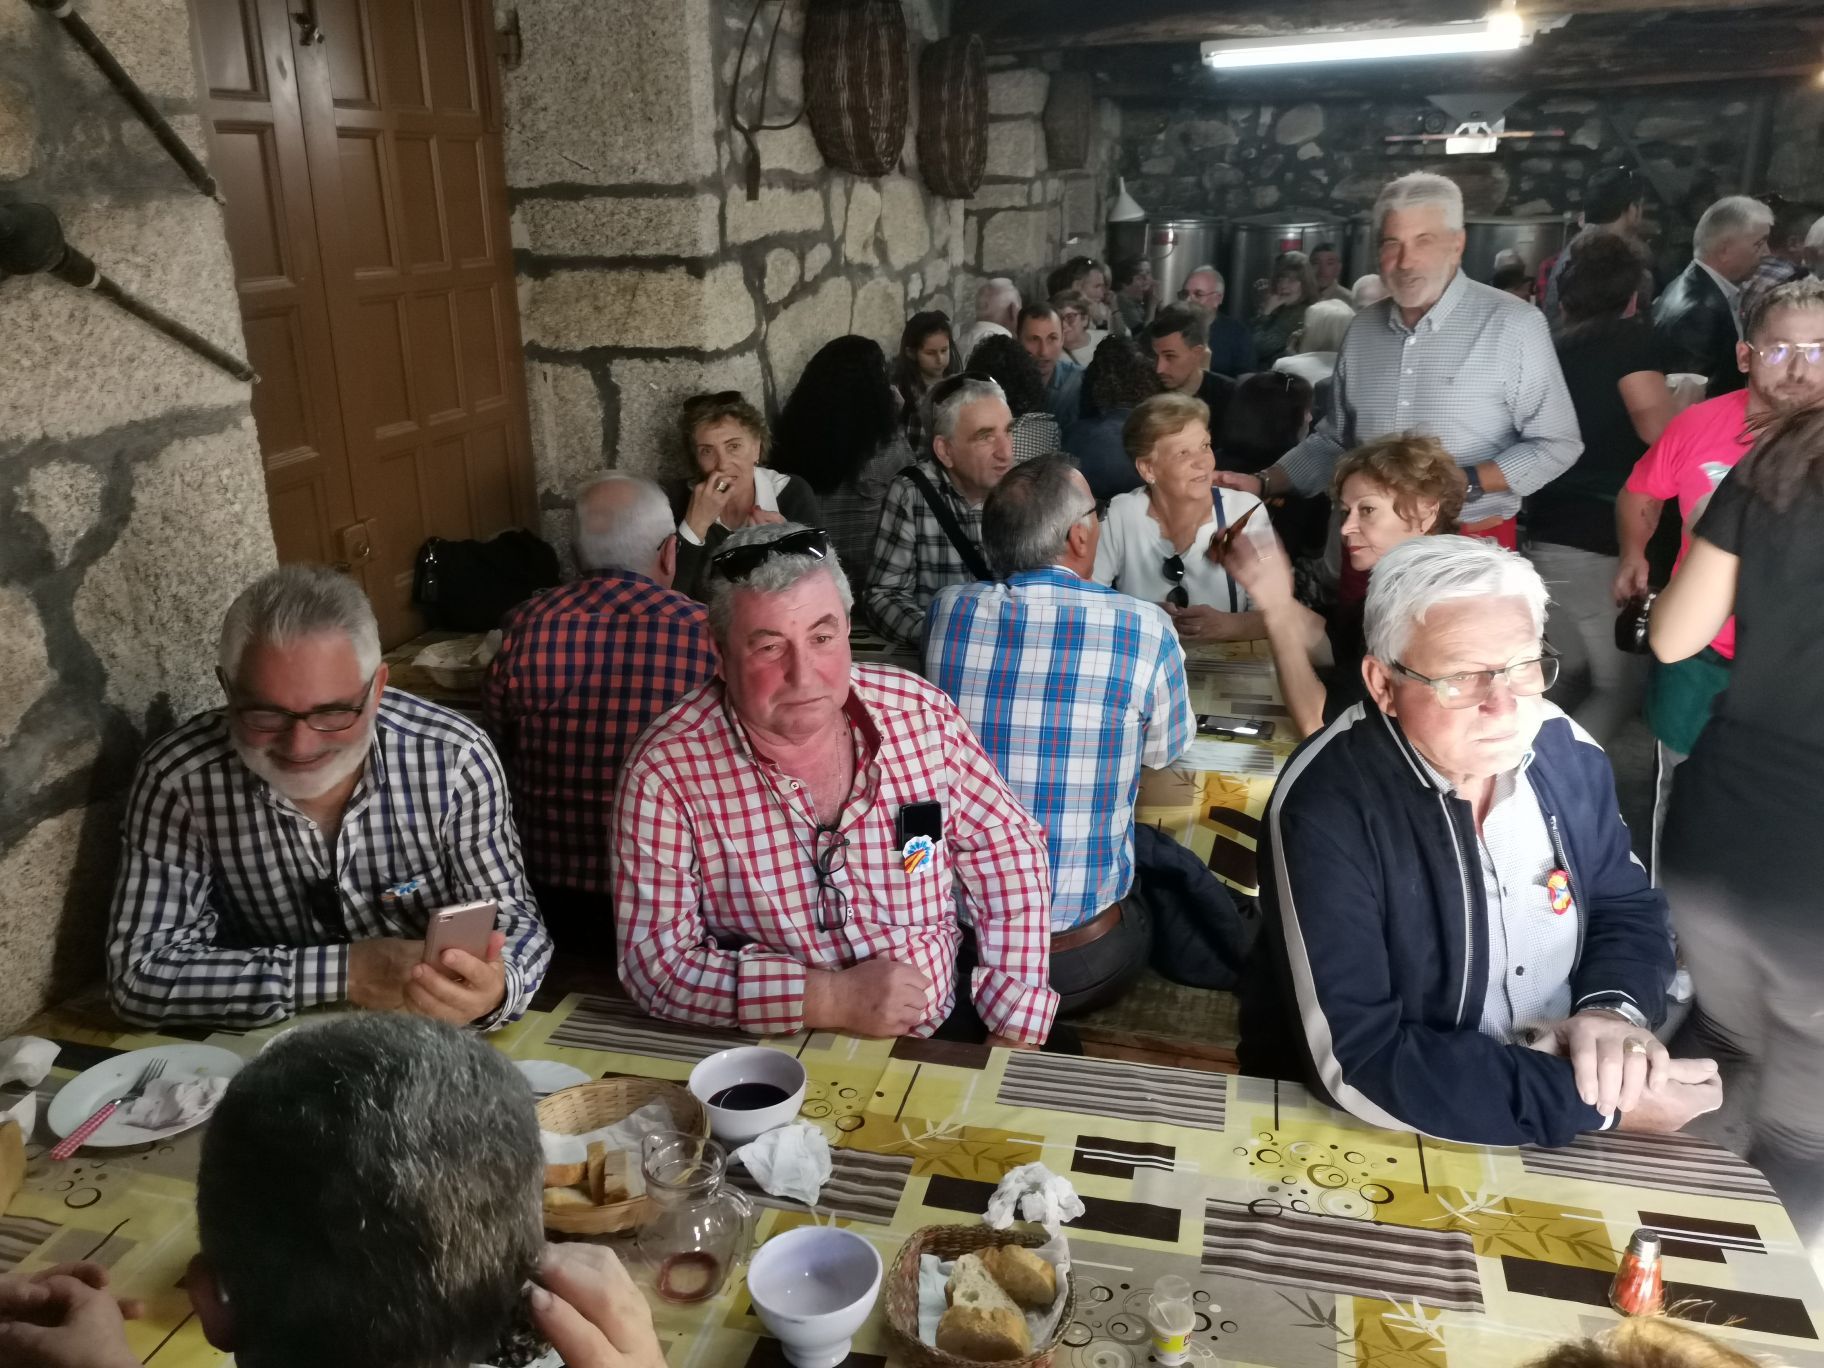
<point x="1388" y="491"/>
<point x="1157" y="543"/>
<point x="1650" y="1342"/>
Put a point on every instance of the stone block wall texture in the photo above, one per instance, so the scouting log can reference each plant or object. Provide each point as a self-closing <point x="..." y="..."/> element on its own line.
<point x="647" y="274"/>
<point x="1239" y="159"/>
<point x="132" y="504"/>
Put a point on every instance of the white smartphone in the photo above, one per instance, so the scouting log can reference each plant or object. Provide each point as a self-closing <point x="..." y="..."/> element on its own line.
<point x="461" y="926"/>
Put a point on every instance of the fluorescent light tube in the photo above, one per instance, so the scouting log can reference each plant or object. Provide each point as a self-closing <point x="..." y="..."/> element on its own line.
<point x="1502" y="32"/>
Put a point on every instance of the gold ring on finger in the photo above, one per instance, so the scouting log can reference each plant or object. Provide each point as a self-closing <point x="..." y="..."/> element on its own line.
<point x="1635" y="1045"/>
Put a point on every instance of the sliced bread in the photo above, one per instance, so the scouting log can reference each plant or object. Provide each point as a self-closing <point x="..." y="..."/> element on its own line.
<point x="982" y="1323"/>
<point x="1022" y="1275"/>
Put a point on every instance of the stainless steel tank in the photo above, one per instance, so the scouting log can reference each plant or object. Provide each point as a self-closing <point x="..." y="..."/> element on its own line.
<point x="1534" y="238"/>
<point x="1179" y="245"/>
<point x="1255" y="242"/>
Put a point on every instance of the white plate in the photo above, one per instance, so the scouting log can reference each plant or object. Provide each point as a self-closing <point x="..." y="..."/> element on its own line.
<point x="549" y="1075"/>
<point x="85" y="1094"/>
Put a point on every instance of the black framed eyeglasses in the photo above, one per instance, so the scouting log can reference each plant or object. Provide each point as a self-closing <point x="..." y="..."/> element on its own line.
<point x="1179" y="596"/>
<point x="829" y="853"/>
<point x="1471" y="688"/>
<point x="331" y="717"/>
<point x="736" y="563"/>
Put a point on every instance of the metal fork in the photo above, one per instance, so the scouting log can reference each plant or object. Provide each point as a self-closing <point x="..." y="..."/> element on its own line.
<point x="73" y="1141"/>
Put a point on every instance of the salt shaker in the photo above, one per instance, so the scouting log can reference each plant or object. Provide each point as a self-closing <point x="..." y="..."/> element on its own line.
<point x="1639" y="1288"/>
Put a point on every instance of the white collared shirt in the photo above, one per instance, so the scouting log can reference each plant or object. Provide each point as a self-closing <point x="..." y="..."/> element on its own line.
<point x="767" y="484"/>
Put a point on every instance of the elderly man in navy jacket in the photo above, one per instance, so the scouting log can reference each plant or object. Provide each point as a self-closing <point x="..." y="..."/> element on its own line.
<point x="1461" y="941"/>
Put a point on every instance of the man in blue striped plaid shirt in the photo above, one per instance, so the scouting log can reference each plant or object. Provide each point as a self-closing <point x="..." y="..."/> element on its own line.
<point x="286" y="852"/>
<point x="1070" y="687"/>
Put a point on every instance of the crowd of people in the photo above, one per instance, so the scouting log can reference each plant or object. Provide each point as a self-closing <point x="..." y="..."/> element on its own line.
<point x="1425" y="494"/>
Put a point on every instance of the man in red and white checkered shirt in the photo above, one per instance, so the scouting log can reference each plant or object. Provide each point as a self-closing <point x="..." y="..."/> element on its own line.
<point x="792" y="840"/>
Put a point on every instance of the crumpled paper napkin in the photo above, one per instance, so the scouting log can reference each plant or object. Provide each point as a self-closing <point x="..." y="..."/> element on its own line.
<point x="789" y="1161"/>
<point x="1035" y="1193"/>
<point x="25" y="1112"/>
<point x="26" y="1059"/>
<point x="174" y="1102"/>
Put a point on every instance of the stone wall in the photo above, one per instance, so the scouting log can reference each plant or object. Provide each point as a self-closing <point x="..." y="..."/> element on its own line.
<point x="131" y="499"/>
<point x="647" y="274"/>
<point x="1236" y="159"/>
<point x="1027" y="217"/>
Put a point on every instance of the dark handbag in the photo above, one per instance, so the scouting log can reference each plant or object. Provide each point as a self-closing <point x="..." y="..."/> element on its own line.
<point x="940" y="509"/>
<point x="1201" y="937"/>
<point x="468" y="586"/>
<point x="1631" y="624"/>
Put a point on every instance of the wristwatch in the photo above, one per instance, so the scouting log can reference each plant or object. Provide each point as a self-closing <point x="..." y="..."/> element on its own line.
<point x="1474" y="479"/>
<point x="1619" y="1005"/>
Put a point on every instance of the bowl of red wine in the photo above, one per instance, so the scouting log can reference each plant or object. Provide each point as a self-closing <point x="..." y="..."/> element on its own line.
<point x="748" y="1091"/>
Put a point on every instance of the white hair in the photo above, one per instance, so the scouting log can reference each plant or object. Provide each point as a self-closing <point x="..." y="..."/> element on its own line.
<point x="292" y="603"/>
<point x="1508" y="256"/>
<point x="1371" y="284"/>
<point x="1419" y="574"/>
<point x="1325" y="323"/>
<point x="943" y="417"/>
<point x="770" y="577"/>
<point x="1814" y="236"/>
<point x="1417" y="188"/>
<point x="1211" y="271"/>
<point x="1730" y="217"/>
<point x="995" y="298"/>
<point x="628" y="535"/>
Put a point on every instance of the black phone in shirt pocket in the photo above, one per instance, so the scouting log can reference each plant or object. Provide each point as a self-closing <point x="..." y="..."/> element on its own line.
<point x="919" y="819"/>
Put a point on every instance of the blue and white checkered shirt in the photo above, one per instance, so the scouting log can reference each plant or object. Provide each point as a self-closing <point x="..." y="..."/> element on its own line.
<point x="221" y="911"/>
<point x="1070" y="687"/>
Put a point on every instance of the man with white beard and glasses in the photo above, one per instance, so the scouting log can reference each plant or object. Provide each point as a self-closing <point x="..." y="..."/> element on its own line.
<point x="286" y="851"/>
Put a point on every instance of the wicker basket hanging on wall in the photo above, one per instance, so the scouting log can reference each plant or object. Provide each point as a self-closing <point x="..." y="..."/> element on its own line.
<point x="953" y="115"/>
<point x="1070" y="116"/>
<point x="855" y="82"/>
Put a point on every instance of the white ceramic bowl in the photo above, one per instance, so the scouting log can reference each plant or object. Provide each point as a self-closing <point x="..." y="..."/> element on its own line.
<point x="748" y="1064"/>
<point x="814" y="1287"/>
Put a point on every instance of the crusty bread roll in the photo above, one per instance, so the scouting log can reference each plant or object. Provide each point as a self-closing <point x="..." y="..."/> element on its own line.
<point x="1023" y="1275"/>
<point x="566" y="1197"/>
<point x="565" y="1175"/>
<point x="982" y="1323"/>
<point x="614" y="1177"/>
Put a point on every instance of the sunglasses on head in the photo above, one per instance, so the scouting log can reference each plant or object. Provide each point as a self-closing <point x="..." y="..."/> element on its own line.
<point x="736" y="563"/>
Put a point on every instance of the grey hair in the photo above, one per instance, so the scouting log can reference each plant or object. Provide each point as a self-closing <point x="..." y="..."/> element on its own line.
<point x="1416" y="188"/>
<point x="291" y="603"/>
<point x="772" y="577"/>
<point x="1325" y="323"/>
<point x="1731" y="216"/>
<point x="1814" y="236"/>
<point x="629" y="539"/>
<point x="368" y="1196"/>
<point x="943" y="418"/>
<point x="1221" y="284"/>
<point x="1418" y="575"/>
<point x="995" y="296"/>
<point x="1029" y="514"/>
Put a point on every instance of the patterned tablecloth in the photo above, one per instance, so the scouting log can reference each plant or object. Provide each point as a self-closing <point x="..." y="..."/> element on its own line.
<point x="1312" y="1241"/>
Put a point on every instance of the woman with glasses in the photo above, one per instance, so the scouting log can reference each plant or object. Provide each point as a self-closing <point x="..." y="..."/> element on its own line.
<point x="725" y="443"/>
<point x="1081" y="335"/>
<point x="1387" y="492"/>
<point x="1162" y="539"/>
<point x="1291" y="290"/>
<point x="1613" y="372"/>
<point x="1459" y="940"/>
<point x="1739" y="853"/>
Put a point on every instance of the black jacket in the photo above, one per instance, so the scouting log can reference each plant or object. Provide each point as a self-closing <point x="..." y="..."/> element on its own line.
<point x="1695" y="329"/>
<point x="796" y="504"/>
<point x="1375" y="936"/>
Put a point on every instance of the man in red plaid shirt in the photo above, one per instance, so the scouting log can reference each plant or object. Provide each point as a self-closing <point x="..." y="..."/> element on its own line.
<point x="582" y="669"/>
<point x="794" y="839"/>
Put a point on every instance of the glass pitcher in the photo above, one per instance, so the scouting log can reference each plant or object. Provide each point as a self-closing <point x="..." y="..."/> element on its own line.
<point x="701" y="1226"/>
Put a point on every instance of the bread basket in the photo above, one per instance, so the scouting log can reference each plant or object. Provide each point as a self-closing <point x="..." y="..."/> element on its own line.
<point x="947" y="1242"/>
<point x="590" y="1106"/>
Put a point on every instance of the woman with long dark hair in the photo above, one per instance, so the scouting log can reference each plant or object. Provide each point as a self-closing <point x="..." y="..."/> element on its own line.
<point x="839" y="433"/>
<point x="1739" y="853"/>
<point x="1118" y="379"/>
<point x="1290" y="291"/>
<point x="927" y="353"/>
<point x="1007" y="363"/>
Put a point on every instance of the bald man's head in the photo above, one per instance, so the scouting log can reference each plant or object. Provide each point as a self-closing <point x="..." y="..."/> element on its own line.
<point x="624" y="522"/>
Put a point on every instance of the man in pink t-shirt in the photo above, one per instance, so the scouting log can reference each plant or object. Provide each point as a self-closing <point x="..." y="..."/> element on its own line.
<point x="1691" y="457"/>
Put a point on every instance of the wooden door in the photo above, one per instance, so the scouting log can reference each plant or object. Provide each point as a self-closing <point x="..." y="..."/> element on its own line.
<point x="249" y="98"/>
<point x="398" y="109"/>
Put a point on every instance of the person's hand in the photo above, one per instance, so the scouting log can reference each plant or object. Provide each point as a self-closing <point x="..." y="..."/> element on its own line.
<point x="1692" y="1088"/>
<point x="707" y="500"/>
<point x="1265" y="572"/>
<point x="1199" y="623"/>
<point x="1234" y="479"/>
<point x="1631" y="579"/>
<point x="61" y="1320"/>
<point x="379" y="970"/>
<point x="1613" y="1060"/>
<point x="878" y="997"/>
<point x="94" y="1274"/>
<point x="460" y="988"/>
<point x="587" y="1306"/>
